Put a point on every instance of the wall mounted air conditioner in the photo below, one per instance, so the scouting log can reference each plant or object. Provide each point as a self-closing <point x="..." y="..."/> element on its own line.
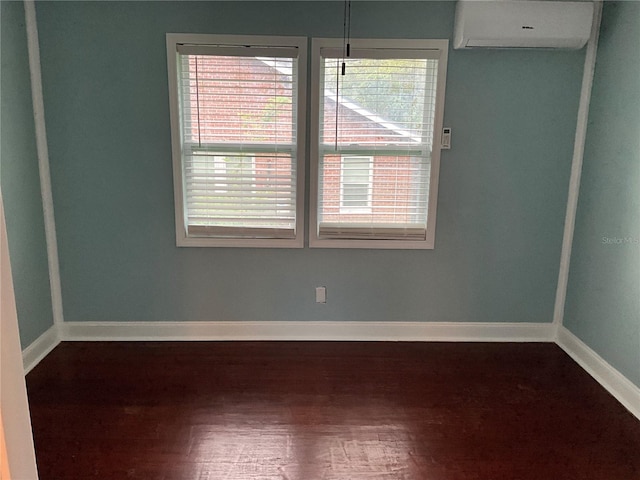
<point x="522" y="24"/>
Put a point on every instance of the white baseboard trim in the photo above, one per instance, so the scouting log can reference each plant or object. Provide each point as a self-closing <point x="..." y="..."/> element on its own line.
<point x="335" y="331"/>
<point x="611" y="379"/>
<point x="40" y="348"/>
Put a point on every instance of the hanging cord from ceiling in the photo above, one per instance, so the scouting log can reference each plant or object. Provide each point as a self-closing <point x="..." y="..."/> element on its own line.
<point x="341" y="70"/>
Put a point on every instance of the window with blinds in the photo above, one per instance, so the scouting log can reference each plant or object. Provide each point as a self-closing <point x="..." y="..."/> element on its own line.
<point x="376" y="152"/>
<point x="238" y="118"/>
<point x="356" y="184"/>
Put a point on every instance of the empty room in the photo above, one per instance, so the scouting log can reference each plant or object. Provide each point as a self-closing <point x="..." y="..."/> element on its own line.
<point x="320" y="240"/>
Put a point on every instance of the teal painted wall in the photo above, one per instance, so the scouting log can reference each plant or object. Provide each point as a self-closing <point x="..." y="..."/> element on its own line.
<point x="503" y="186"/>
<point x="20" y="179"/>
<point x="603" y="298"/>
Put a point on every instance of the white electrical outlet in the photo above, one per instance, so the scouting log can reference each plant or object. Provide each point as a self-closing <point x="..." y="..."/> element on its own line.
<point x="321" y="294"/>
<point x="445" y="143"/>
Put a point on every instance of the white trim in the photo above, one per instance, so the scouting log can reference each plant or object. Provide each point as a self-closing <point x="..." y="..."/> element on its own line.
<point x="40" y="348"/>
<point x="328" y="331"/>
<point x="43" y="161"/>
<point x="576" y="168"/>
<point x="611" y="379"/>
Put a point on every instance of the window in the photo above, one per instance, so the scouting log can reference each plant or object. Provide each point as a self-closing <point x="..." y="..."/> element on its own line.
<point x="356" y="176"/>
<point x="375" y="152"/>
<point x="237" y="117"/>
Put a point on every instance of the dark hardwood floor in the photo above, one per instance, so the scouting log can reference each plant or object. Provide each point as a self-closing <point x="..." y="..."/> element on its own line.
<point x="325" y="411"/>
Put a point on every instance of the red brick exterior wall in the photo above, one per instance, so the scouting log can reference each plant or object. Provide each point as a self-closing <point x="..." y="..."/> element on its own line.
<point x="391" y="180"/>
<point x="391" y="185"/>
<point x="222" y="101"/>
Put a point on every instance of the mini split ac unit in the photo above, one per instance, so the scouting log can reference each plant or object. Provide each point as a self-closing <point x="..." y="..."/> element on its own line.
<point x="522" y="24"/>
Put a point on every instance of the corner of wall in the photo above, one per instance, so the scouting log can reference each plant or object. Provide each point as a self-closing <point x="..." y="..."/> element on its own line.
<point x="40" y="348"/>
<point x="611" y="379"/>
<point x="43" y="159"/>
<point x="576" y="169"/>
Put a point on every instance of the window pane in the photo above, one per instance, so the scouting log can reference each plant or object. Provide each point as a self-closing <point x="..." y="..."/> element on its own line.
<point x="379" y="119"/>
<point x="237" y="99"/>
<point x="381" y="101"/>
<point x="238" y="147"/>
<point x="240" y="189"/>
<point x="356" y="169"/>
<point x="355" y="195"/>
<point x="396" y="191"/>
<point x="356" y="179"/>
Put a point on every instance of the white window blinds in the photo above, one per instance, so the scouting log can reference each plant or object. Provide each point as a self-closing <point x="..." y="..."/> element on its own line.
<point x="382" y="109"/>
<point x="238" y="134"/>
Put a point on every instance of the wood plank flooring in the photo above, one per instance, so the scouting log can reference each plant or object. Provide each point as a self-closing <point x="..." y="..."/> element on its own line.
<point x="325" y="411"/>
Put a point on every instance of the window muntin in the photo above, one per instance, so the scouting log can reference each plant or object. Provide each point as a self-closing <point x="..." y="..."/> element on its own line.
<point x="387" y="107"/>
<point x="239" y="160"/>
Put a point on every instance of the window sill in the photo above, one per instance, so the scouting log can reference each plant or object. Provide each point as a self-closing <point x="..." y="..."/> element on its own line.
<point x="373" y="244"/>
<point x="239" y="242"/>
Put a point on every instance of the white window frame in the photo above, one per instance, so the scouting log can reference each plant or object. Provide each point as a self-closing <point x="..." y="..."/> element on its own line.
<point x="440" y="47"/>
<point x="351" y="209"/>
<point x="183" y="239"/>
